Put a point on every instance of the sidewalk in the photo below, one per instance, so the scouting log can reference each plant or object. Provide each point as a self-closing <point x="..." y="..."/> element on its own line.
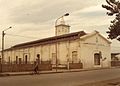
<point x="49" y="72"/>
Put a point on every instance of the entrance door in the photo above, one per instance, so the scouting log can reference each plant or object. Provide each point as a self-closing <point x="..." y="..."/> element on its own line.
<point x="97" y="59"/>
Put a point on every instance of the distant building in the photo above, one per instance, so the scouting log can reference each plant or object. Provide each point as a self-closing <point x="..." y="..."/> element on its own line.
<point x="90" y="49"/>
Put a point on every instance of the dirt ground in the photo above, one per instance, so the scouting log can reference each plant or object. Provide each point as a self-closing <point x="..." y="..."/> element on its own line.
<point x="113" y="82"/>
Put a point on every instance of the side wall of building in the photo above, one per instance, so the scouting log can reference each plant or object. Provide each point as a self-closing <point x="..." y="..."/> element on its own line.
<point x="46" y="52"/>
<point x="92" y="45"/>
<point x="72" y="51"/>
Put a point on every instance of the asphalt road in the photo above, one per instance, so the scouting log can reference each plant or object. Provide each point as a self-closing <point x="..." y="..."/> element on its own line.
<point x="61" y="79"/>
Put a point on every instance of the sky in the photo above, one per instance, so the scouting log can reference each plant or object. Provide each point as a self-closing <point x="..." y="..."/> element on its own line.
<point x="35" y="19"/>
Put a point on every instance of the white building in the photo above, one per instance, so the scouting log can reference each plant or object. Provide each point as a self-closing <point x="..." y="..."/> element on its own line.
<point x="91" y="49"/>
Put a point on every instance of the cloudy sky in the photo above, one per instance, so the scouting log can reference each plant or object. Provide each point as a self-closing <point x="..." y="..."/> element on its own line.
<point x="34" y="19"/>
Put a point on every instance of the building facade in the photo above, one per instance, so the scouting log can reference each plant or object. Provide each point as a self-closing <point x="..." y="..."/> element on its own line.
<point x="92" y="50"/>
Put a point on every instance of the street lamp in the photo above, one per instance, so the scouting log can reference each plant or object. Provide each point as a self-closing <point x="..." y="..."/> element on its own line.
<point x="61" y="17"/>
<point x="3" y="34"/>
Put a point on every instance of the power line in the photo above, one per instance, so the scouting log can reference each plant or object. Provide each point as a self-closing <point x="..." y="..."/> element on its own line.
<point x="22" y="36"/>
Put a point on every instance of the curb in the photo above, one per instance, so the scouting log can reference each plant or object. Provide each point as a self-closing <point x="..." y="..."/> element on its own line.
<point x="54" y="72"/>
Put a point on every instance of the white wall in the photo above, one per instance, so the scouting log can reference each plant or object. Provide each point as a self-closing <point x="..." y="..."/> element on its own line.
<point x="92" y="45"/>
<point x="85" y="48"/>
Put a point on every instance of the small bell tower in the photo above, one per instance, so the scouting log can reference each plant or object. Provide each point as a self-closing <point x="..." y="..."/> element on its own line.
<point x="60" y="27"/>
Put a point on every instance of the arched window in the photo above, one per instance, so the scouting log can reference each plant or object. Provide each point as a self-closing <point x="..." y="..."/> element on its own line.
<point x="26" y="57"/>
<point x="74" y="57"/>
<point x="16" y="60"/>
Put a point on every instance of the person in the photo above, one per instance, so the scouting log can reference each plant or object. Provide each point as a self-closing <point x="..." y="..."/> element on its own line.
<point x="36" y="68"/>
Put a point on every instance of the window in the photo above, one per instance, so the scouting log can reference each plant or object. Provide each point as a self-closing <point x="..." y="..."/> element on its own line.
<point x="9" y="60"/>
<point x="16" y="60"/>
<point x="20" y="60"/>
<point x="74" y="57"/>
<point x="66" y="30"/>
<point x="97" y="58"/>
<point x="26" y="61"/>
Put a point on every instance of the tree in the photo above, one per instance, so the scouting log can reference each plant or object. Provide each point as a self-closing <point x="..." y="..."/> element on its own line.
<point x="114" y="9"/>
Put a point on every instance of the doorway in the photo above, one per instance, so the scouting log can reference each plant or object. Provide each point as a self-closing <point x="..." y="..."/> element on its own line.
<point x="97" y="59"/>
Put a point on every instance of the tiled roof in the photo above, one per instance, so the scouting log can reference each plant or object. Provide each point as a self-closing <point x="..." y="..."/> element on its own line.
<point x="51" y="39"/>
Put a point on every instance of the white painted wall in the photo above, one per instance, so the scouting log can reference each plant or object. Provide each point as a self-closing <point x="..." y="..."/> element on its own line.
<point x="89" y="46"/>
<point x="85" y="48"/>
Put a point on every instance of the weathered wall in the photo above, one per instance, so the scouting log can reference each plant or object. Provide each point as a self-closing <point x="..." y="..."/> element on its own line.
<point x="85" y="52"/>
<point x="64" y="52"/>
<point x="92" y="45"/>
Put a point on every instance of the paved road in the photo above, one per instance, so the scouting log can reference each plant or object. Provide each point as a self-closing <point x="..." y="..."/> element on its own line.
<point x="61" y="79"/>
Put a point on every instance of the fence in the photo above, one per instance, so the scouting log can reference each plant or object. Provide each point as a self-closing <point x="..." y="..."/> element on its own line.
<point x="71" y="66"/>
<point x="115" y="63"/>
<point x="75" y="65"/>
<point x="43" y="66"/>
<point x="23" y="67"/>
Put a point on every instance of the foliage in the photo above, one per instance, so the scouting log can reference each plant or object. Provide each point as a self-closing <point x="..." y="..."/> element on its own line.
<point x="114" y="9"/>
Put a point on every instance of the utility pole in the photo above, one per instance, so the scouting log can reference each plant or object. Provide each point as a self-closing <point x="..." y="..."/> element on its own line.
<point x="56" y="45"/>
<point x="2" y="52"/>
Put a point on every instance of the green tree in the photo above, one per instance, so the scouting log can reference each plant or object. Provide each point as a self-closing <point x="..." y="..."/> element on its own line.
<point x="113" y="8"/>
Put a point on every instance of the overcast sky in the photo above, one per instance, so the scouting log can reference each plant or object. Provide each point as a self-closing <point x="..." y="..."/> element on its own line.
<point x="35" y="19"/>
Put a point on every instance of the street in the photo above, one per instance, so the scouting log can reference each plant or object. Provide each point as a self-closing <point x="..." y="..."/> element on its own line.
<point x="61" y="79"/>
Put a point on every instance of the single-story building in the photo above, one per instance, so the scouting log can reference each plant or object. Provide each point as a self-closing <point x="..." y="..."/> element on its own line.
<point x="90" y="49"/>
